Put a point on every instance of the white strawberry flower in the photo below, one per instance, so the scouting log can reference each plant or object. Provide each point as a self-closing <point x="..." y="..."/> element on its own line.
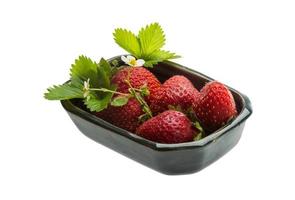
<point x="131" y="61"/>
<point x="86" y="88"/>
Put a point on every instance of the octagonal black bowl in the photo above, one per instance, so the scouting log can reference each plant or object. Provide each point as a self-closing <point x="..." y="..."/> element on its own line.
<point x="181" y="158"/>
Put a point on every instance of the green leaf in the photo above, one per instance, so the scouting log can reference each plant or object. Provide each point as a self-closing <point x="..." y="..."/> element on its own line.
<point x="120" y="101"/>
<point x="151" y="38"/>
<point x="151" y="63"/>
<point x="147" y="45"/>
<point x="128" y="41"/>
<point x="105" y="66"/>
<point x="62" y="92"/>
<point x="82" y="69"/>
<point x="99" y="77"/>
<point x="96" y="104"/>
<point x="159" y="56"/>
<point x="162" y="55"/>
<point x="103" y="74"/>
<point x="99" y="102"/>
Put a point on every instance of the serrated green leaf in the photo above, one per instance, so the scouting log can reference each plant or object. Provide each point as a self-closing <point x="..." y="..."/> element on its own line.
<point x="162" y="55"/>
<point x="119" y="101"/>
<point x="159" y="56"/>
<point x="151" y="63"/>
<point x="147" y="45"/>
<point x="62" y="92"/>
<point x="151" y="39"/>
<point x="128" y="41"/>
<point x="82" y="69"/>
<point x="103" y="74"/>
<point x="98" y="102"/>
<point x="97" y="105"/>
<point x="106" y="67"/>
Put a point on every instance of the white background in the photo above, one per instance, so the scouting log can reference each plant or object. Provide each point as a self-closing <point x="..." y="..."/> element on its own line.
<point x="249" y="45"/>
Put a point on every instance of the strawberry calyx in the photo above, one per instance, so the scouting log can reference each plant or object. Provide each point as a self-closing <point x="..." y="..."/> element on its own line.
<point x="176" y="108"/>
<point x="200" y="131"/>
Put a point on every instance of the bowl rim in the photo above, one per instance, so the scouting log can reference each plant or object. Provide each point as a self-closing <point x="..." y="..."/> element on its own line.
<point x="245" y="112"/>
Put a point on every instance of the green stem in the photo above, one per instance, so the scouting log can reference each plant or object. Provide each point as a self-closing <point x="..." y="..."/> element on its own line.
<point x="107" y="90"/>
<point x="138" y="97"/>
<point x="146" y="107"/>
<point x="139" y="90"/>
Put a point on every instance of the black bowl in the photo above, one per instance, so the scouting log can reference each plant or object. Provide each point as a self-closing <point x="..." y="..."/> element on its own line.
<point x="181" y="158"/>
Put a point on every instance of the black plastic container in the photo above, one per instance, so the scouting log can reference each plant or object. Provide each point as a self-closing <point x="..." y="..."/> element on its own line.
<point x="182" y="158"/>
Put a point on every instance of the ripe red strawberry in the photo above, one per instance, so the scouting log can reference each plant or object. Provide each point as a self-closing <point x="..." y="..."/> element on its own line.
<point x="215" y="106"/>
<point x="139" y="76"/>
<point x="168" y="127"/>
<point x="176" y="91"/>
<point x="125" y="117"/>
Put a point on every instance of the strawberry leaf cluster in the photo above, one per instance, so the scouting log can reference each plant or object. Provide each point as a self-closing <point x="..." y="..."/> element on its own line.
<point x="91" y="81"/>
<point x="82" y="70"/>
<point x="146" y="45"/>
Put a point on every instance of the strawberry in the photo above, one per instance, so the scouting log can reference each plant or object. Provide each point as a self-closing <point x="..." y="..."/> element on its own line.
<point x="167" y="127"/>
<point x="177" y="91"/>
<point x="125" y="117"/>
<point x="139" y="76"/>
<point x="215" y="106"/>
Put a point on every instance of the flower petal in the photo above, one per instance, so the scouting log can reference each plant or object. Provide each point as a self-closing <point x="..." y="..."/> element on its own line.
<point x="86" y="84"/>
<point x="140" y="62"/>
<point x="130" y="58"/>
<point x="124" y="59"/>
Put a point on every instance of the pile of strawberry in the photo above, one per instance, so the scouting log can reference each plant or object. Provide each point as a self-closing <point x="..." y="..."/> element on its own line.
<point x="132" y="98"/>
<point x="176" y="106"/>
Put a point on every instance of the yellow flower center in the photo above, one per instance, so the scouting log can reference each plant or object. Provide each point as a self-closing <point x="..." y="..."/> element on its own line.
<point x="133" y="62"/>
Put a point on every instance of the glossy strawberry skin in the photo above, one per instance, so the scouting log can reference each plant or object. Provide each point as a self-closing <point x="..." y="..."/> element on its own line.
<point x="125" y="117"/>
<point x="176" y="91"/>
<point x="215" y="106"/>
<point x="167" y="127"/>
<point x="139" y="76"/>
